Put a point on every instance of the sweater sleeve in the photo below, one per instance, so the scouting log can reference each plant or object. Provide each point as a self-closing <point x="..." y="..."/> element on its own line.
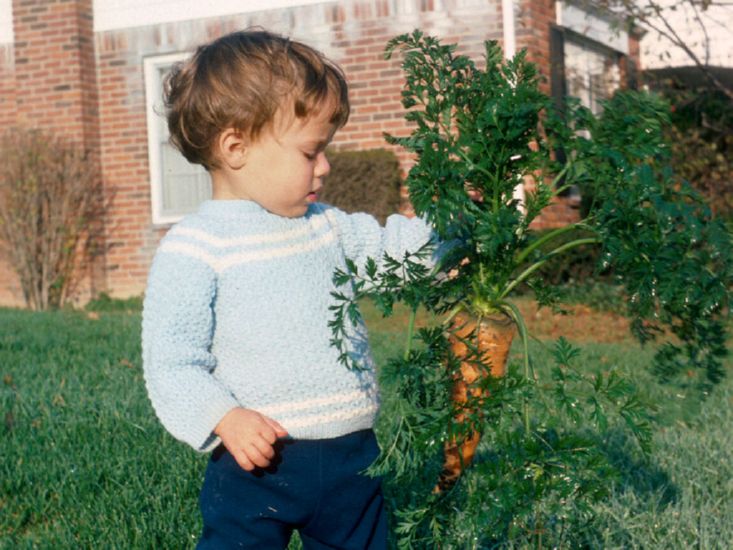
<point x="362" y="237"/>
<point x="177" y="330"/>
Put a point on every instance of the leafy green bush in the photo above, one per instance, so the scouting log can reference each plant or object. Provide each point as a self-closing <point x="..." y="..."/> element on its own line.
<point x="364" y="181"/>
<point x="701" y="139"/>
<point x="701" y="135"/>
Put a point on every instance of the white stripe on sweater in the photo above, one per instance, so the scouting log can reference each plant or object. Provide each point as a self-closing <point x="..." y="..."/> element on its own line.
<point x="222" y="263"/>
<point x="299" y="422"/>
<point x="311" y="403"/>
<point x="261" y="238"/>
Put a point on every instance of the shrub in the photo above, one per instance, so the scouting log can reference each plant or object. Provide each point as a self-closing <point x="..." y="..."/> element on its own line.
<point x="364" y="181"/>
<point x="105" y="303"/>
<point x="577" y="265"/>
<point x="708" y="166"/>
<point x="701" y="138"/>
<point x="52" y="207"/>
<point x="702" y="153"/>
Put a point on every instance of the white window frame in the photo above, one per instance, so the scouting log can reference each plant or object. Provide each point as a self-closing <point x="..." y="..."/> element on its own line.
<point x="602" y="27"/>
<point x="154" y="110"/>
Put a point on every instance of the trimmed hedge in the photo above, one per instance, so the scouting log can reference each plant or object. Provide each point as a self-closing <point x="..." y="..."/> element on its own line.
<point x="364" y="181"/>
<point x="369" y="181"/>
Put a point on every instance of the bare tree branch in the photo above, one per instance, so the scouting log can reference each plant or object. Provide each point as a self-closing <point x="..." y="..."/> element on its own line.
<point x="656" y="16"/>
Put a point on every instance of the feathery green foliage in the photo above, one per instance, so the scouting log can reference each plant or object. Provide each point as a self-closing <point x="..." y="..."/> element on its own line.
<point x="477" y="134"/>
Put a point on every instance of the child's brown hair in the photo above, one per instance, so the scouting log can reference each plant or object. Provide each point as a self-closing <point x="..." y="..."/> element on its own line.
<point x="241" y="81"/>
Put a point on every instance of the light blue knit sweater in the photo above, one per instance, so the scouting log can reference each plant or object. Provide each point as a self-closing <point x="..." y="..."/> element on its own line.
<point x="236" y="314"/>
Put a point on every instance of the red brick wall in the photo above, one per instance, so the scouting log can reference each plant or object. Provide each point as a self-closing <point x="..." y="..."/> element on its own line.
<point x="92" y="87"/>
<point x="54" y="67"/>
<point x="48" y="80"/>
<point x="534" y="18"/>
<point x="353" y="34"/>
<point x="124" y="160"/>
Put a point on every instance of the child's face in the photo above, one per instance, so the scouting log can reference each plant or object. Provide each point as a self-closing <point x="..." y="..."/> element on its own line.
<point x="283" y="168"/>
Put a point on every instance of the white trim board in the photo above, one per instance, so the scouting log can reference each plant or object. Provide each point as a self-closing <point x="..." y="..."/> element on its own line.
<point x="120" y="14"/>
<point x="592" y="25"/>
<point x="6" y="22"/>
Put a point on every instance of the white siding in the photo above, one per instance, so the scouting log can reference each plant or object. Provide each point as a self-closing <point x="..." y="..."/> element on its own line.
<point x="657" y="52"/>
<point x="6" y="22"/>
<point x="120" y="14"/>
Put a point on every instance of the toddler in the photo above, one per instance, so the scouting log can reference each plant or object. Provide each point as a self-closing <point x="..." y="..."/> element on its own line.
<point x="236" y="343"/>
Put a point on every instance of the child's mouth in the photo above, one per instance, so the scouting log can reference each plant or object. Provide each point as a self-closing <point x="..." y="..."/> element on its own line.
<point x="312" y="196"/>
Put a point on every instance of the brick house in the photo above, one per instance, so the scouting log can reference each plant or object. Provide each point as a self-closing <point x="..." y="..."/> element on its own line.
<point x="92" y="70"/>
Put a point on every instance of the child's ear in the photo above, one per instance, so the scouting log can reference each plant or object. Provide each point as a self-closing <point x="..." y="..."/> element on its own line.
<point x="232" y="148"/>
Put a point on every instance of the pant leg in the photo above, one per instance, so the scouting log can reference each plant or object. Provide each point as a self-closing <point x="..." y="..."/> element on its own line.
<point x="258" y="509"/>
<point x="350" y="513"/>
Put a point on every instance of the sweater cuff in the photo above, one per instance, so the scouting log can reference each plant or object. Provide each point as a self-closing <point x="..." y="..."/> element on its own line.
<point x="206" y="440"/>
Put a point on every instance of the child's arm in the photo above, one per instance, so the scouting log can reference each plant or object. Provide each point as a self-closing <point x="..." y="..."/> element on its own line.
<point x="249" y="436"/>
<point x="362" y="237"/>
<point x="178" y="327"/>
<point x="177" y="330"/>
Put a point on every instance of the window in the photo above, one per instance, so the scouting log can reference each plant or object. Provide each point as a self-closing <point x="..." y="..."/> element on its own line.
<point x="588" y="47"/>
<point x="586" y="52"/>
<point x="592" y="72"/>
<point x="177" y="187"/>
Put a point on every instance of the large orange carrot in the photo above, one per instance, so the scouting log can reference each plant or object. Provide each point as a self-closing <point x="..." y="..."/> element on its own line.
<point x="492" y="337"/>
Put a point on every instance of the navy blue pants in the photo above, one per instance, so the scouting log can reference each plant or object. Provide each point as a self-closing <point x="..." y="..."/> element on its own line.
<point x="316" y="487"/>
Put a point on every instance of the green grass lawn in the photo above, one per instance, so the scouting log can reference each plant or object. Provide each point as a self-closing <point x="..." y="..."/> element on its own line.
<point x="85" y="464"/>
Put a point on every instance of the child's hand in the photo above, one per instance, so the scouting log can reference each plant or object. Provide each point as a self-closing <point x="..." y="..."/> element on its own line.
<point x="249" y="436"/>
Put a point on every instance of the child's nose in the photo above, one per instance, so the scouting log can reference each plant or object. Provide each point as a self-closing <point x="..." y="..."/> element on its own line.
<point x="323" y="167"/>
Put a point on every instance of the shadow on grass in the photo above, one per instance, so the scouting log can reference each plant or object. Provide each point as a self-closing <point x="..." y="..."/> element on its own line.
<point x="497" y="505"/>
<point x="638" y="473"/>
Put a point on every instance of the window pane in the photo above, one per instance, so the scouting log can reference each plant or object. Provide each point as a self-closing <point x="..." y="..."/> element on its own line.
<point x="592" y="74"/>
<point x="185" y="185"/>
